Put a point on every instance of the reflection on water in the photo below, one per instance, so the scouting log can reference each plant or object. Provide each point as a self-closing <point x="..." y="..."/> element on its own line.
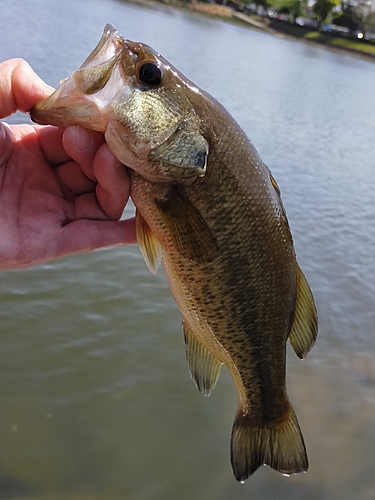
<point x="96" y="402"/>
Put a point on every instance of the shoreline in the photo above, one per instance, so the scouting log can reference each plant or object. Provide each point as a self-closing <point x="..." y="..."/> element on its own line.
<point x="310" y="41"/>
<point x="231" y="16"/>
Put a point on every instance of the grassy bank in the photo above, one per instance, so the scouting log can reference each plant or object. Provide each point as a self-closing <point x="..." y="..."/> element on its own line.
<point x="353" y="45"/>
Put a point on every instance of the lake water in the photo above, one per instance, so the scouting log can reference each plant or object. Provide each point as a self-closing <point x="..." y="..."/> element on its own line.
<point x="95" y="398"/>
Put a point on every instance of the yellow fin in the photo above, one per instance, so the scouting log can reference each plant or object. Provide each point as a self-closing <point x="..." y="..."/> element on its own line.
<point x="204" y="368"/>
<point x="305" y="325"/>
<point x="191" y="235"/>
<point x="279" y="445"/>
<point x="148" y="244"/>
<point x="274" y="184"/>
<point x="278" y="192"/>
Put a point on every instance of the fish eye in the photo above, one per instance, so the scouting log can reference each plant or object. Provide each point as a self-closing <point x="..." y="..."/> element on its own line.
<point x="150" y="73"/>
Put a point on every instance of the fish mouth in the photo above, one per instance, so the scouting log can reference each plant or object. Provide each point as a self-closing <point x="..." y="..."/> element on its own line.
<point x="81" y="98"/>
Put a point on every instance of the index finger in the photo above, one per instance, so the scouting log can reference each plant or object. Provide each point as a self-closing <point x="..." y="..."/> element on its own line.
<point x="20" y="87"/>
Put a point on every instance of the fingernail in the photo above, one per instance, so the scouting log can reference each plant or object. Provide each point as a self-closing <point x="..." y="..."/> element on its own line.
<point x="84" y="140"/>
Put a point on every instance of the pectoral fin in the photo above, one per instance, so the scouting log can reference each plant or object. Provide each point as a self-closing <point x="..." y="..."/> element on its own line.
<point x="305" y="325"/>
<point x="185" y="152"/>
<point x="191" y="235"/>
<point x="148" y="244"/>
<point x="204" y="368"/>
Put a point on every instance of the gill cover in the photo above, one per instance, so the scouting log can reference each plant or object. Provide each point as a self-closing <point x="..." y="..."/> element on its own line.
<point x="185" y="150"/>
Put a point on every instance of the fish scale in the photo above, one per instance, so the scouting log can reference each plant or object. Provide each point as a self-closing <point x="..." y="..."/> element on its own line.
<point x="209" y="208"/>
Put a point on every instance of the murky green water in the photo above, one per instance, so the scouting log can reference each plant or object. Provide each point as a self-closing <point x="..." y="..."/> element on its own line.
<point x="95" y="399"/>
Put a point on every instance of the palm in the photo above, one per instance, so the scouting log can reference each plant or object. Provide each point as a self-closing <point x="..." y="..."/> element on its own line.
<point x="49" y="188"/>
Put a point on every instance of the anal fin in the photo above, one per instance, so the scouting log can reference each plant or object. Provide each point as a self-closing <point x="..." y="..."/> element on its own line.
<point x="305" y="325"/>
<point x="204" y="368"/>
<point x="279" y="445"/>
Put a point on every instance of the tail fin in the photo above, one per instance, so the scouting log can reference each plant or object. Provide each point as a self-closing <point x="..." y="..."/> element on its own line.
<point x="279" y="445"/>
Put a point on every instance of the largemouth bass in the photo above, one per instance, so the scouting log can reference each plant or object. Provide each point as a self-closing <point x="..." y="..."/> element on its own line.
<point x="210" y="209"/>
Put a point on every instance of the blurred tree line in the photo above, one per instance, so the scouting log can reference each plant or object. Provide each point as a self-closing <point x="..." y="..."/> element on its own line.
<point x="358" y="16"/>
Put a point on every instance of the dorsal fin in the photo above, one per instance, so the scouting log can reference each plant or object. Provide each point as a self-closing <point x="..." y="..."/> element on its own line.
<point x="148" y="244"/>
<point x="305" y="325"/>
<point x="204" y="368"/>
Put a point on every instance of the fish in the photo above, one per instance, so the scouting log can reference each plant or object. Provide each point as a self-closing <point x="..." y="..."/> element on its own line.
<point x="210" y="210"/>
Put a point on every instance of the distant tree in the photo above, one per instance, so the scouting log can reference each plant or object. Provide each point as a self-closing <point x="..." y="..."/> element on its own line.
<point x="297" y="9"/>
<point x="294" y="8"/>
<point x="357" y="15"/>
<point x="321" y="9"/>
<point x="364" y="11"/>
<point x="346" y="16"/>
<point x="259" y="3"/>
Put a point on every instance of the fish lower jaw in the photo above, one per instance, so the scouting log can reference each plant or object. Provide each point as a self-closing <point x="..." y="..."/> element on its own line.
<point x="87" y="115"/>
<point x="68" y="107"/>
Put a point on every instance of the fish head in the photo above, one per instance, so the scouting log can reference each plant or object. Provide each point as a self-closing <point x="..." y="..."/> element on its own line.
<point x="134" y="96"/>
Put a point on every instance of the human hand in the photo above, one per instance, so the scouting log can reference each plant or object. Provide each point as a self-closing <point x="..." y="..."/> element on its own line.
<point x="61" y="191"/>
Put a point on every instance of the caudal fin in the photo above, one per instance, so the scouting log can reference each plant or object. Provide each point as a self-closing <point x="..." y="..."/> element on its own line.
<point x="280" y="446"/>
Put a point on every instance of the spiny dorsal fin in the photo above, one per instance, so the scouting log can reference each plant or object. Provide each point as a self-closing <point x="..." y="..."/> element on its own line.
<point x="148" y="244"/>
<point x="204" y="368"/>
<point x="305" y="325"/>
<point x="191" y="235"/>
<point x="277" y="444"/>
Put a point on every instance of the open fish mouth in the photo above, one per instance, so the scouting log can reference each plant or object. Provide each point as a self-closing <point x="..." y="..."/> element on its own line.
<point x="81" y="98"/>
